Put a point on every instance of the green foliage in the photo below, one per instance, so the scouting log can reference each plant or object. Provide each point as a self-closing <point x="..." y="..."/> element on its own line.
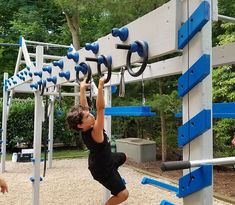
<point x="224" y="131"/>
<point x="20" y="125"/>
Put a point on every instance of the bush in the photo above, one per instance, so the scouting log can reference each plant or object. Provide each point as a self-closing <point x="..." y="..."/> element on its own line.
<point x="20" y="125"/>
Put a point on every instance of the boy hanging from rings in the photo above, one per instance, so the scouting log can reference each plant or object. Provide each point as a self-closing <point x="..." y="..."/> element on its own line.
<point x="102" y="163"/>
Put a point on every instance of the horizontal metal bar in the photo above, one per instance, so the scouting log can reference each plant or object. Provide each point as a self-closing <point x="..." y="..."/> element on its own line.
<point x="216" y="161"/>
<point x="46" y="44"/>
<point x="47" y="56"/>
<point x="226" y="18"/>
<point x="65" y="94"/>
<point x="176" y="165"/>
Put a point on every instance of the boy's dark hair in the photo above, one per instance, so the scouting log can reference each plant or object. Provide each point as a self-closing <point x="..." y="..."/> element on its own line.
<point x="74" y="116"/>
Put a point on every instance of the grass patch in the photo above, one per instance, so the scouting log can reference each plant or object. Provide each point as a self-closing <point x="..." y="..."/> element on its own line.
<point x="61" y="154"/>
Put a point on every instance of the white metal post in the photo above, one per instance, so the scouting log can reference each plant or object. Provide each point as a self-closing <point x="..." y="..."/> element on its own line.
<point x="50" y="131"/>
<point x="199" y="98"/>
<point x="107" y="127"/>
<point x="4" y="124"/>
<point x="38" y="117"/>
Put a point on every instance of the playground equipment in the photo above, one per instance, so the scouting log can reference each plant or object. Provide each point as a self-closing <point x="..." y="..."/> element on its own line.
<point x="173" y="27"/>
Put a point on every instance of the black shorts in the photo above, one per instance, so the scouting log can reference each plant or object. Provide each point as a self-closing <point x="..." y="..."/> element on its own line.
<point x="113" y="181"/>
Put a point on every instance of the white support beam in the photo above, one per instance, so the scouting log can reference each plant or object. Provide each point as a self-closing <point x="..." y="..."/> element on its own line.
<point x="223" y="55"/>
<point x="38" y="117"/>
<point x="4" y="125"/>
<point x="51" y="109"/>
<point x="226" y="18"/>
<point x="51" y="57"/>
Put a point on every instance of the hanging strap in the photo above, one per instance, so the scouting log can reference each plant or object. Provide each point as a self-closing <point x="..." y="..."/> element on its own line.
<point x="122" y="83"/>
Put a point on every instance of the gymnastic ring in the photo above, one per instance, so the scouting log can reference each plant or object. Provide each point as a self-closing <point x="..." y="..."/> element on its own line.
<point x="108" y="65"/>
<point x="86" y="72"/>
<point x="144" y="48"/>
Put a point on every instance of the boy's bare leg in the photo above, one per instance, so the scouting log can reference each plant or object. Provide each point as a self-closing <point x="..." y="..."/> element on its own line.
<point x="122" y="196"/>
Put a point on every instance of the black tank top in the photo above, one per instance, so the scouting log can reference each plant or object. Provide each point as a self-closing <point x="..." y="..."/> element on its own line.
<point x="100" y="158"/>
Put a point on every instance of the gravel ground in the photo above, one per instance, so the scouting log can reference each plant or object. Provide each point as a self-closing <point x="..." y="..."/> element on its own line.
<point x="70" y="183"/>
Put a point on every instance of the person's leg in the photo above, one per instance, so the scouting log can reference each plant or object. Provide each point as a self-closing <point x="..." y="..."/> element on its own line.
<point x="119" y="159"/>
<point x="121" y="197"/>
<point x="117" y="187"/>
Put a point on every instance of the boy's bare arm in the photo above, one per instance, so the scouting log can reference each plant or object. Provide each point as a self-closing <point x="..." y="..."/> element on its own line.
<point x="97" y="132"/>
<point x="83" y="99"/>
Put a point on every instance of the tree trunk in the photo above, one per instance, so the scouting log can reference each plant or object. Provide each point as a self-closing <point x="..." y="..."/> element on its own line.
<point x="74" y="24"/>
<point x="163" y="128"/>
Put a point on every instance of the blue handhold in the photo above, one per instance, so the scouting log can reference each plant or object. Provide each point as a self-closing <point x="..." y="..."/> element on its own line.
<point x="14" y="82"/>
<point x="165" y="202"/>
<point x="73" y="55"/>
<point x="122" y="33"/>
<point x="39" y="82"/>
<point x="28" y="68"/>
<point x="195" y="181"/>
<point x="113" y="88"/>
<point x="32" y="179"/>
<point x="135" y="47"/>
<point x="21" y="41"/>
<point x="59" y="63"/>
<point x="101" y="59"/>
<point x="195" y="23"/>
<point x="196" y="73"/>
<point x="47" y="69"/>
<point x="194" y="127"/>
<point x="22" y="73"/>
<point x="30" y="74"/>
<point x="81" y="68"/>
<point x="22" y="78"/>
<point x="25" y="72"/>
<point x="39" y="74"/>
<point x="52" y="79"/>
<point x="94" y="47"/>
<point x="34" y="85"/>
<point x="66" y="75"/>
<point x="163" y="185"/>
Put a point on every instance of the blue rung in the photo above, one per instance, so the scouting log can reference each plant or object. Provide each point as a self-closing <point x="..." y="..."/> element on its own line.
<point x="224" y="110"/>
<point x="194" y="24"/>
<point x="155" y="182"/>
<point x="195" y="181"/>
<point x="194" y="127"/>
<point x="165" y="202"/>
<point x="197" y="72"/>
<point x="220" y="110"/>
<point x="129" y="111"/>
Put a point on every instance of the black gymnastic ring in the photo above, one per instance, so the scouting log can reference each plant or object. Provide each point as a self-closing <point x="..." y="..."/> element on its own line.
<point x="88" y="72"/>
<point x="108" y="65"/>
<point x="145" y="60"/>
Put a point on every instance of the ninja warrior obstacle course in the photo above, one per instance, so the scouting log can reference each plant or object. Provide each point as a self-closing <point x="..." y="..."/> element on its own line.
<point x="181" y="27"/>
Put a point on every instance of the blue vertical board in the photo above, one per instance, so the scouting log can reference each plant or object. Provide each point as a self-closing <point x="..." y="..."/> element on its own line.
<point x="195" y="74"/>
<point x="194" y="24"/>
<point x="195" y="181"/>
<point x="194" y="127"/>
